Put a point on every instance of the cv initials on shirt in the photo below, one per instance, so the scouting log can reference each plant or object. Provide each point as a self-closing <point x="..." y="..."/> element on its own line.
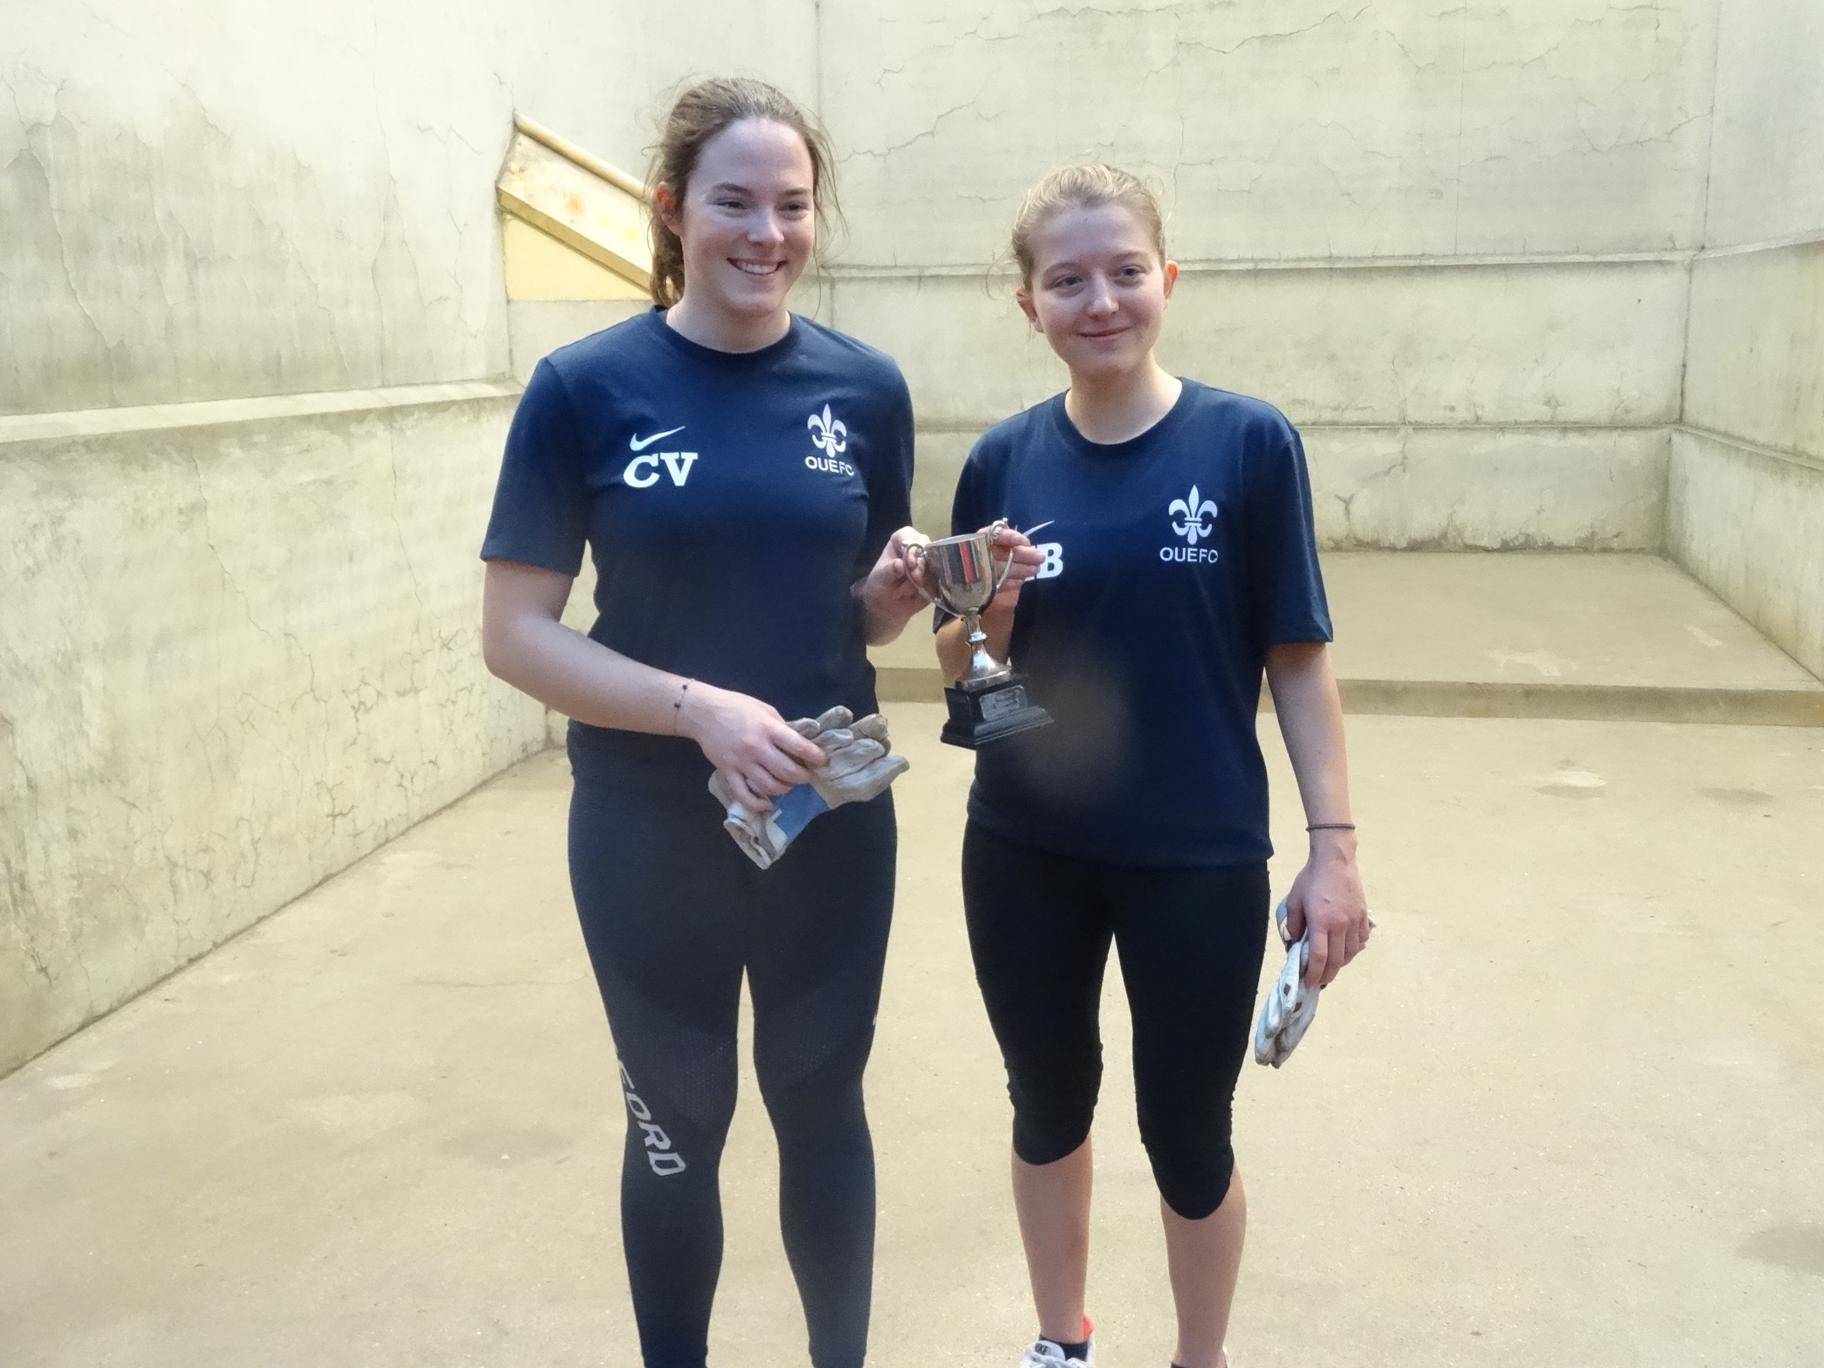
<point x="643" y="471"/>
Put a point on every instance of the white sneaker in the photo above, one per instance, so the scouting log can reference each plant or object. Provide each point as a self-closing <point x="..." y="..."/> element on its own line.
<point x="1046" y="1354"/>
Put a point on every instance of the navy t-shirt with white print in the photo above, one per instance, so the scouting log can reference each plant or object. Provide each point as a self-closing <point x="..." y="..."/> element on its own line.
<point x="1172" y="562"/>
<point x="729" y="500"/>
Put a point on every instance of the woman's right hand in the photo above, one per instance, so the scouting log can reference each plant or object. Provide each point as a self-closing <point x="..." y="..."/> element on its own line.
<point x="1023" y="562"/>
<point x="749" y="743"/>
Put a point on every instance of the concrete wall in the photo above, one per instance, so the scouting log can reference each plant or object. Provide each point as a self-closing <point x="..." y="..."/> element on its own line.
<point x="239" y="651"/>
<point x="238" y="655"/>
<point x="239" y="645"/>
<point x="210" y="201"/>
<point x="1449" y="242"/>
<point x="1745" y="509"/>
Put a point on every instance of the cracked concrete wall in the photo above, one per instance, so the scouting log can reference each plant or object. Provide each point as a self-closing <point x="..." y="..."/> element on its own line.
<point x="1767" y="158"/>
<point x="1283" y="128"/>
<point x="1433" y="489"/>
<point x="1750" y="526"/>
<point x="237" y="657"/>
<point x="239" y="645"/>
<point x="205" y="202"/>
<point x="1430" y="418"/>
<point x="1450" y="345"/>
<point x="1448" y="238"/>
<point x="1745" y="511"/>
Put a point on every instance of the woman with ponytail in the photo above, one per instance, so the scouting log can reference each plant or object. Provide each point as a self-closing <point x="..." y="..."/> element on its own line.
<point x="740" y="477"/>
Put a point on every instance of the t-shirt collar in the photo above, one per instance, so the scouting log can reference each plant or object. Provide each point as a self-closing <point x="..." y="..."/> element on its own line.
<point x="772" y="351"/>
<point x="1133" y="446"/>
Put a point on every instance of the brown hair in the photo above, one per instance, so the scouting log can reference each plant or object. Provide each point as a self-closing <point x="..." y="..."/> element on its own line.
<point x="1083" y="185"/>
<point x="699" y="113"/>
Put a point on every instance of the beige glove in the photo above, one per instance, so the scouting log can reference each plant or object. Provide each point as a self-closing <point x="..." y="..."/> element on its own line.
<point x="1290" y="1006"/>
<point x="860" y="768"/>
<point x="861" y="761"/>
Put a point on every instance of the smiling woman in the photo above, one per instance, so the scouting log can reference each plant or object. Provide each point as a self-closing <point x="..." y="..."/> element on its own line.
<point x="720" y="420"/>
<point x="741" y="178"/>
<point x="746" y="227"/>
<point x="1145" y="621"/>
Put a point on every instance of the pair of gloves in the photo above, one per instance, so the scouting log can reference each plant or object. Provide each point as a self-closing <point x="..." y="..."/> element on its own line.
<point x="861" y="766"/>
<point x="1290" y="1006"/>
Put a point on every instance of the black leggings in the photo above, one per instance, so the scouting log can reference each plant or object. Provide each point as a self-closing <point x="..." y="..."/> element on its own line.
<point x="673" y="914"/>
<point x="1191" y="943"/>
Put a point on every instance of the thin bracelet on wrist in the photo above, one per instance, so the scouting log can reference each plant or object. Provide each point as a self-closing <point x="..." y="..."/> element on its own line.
<point x="1331" y="826"/>
<point x="677" y="705"/>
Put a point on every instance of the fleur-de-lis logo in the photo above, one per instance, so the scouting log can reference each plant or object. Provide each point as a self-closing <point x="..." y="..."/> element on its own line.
<point x="828" y="434"/>
<point x="1192" y="516"/>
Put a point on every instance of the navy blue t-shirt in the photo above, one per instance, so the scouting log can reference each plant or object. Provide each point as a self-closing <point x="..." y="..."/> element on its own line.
<point x="1172" y="562"/>
<point x="729" y="501"/>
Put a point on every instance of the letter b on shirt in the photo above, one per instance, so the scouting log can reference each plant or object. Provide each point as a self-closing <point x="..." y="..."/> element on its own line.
<point x="1054" y="560"/>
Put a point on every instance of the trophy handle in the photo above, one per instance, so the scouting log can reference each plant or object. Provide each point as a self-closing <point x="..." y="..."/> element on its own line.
<point x="916" y="551"/>
<point x="995" y="528"/>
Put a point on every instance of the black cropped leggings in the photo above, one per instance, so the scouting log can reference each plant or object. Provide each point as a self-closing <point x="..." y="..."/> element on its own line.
<point x="673" y="915"/>
<point x="1191" y="943"/>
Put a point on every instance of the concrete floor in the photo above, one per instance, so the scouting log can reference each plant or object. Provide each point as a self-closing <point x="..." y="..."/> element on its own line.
<point x="1569" y="1110"/>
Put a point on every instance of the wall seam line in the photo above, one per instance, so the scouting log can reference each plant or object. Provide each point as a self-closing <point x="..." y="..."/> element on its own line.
<point x="1286" y="265"/>
<point x="828" y="273"/>
<point x="1703" y="227"/>
<point x="1804" y="460"/>
<point x="953" y="426"/>
<point x="1780" y="244"/>
<point x="128" y="419"/>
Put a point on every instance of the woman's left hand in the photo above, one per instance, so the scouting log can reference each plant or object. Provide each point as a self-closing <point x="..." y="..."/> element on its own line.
<point x="1327" y="897"/>
<point x="890" y="590"/>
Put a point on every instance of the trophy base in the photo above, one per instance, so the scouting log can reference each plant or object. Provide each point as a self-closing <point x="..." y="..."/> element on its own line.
<point x="978" y="716"/>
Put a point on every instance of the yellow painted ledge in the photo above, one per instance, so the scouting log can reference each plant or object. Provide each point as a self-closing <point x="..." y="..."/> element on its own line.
<point x="541" y="268"/>
<point x="588" y="219"/>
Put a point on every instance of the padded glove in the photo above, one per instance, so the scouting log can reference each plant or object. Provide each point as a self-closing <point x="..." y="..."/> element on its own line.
<point x="860" y="767"/>
<point x="1287" y="1013"/>
<point x="1290" y="1006"/>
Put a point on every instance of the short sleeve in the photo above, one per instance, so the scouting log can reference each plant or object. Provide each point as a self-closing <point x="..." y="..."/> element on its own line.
<point x="889" y="479"/>
<point x="966" y="503"/>
<point x="1285" y="583"/>
<point x="541" y="505"/>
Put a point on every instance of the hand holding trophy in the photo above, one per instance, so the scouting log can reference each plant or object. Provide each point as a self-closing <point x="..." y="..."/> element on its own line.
<point x="989" y="701"/>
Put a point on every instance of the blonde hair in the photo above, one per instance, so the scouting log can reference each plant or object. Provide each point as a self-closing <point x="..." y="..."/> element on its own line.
<point x="1083" y="185"/>
<point x="699" y="113"/>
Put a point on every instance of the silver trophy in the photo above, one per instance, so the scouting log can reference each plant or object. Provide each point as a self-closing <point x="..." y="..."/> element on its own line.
<point x="989" y="701"/>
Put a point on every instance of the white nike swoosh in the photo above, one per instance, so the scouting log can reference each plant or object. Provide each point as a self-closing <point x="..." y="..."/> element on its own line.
<point x="641" y="443"/>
